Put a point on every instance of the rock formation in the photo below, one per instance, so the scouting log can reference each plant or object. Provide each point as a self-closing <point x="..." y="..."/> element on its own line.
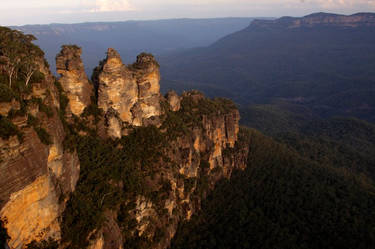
<point x="35" y="177"/>
<point x="205" y="153"/>
<point x="73" y="79"/>
<point x="128" y="95"/>
<point x="173" y="100"/>
<point x="39" y="173"/>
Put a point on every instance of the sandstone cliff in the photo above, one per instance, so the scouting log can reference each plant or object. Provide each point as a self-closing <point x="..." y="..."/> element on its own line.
<point x="73" y="79"/>
<point x="119" y="170"/>
<point x="36" y="173"/>
<point x="162" y="173"/>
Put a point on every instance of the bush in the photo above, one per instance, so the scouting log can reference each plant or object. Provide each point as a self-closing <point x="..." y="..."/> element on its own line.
<point x="43" y="135"/>
<point x="8" y="129"/>
<point x="32" y="121"/>
<point x="3" y="235"/>
<point x="46" y="109"/>
<point x="37" y="77"/>
<point x="49" y="244"/>
<point x="6" y="94"/>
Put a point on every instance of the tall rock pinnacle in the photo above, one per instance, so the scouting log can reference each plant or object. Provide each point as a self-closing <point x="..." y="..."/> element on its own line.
<point x="117" y="87"/>
<point x="128" y="94"/>
<point x="73" y="79"/>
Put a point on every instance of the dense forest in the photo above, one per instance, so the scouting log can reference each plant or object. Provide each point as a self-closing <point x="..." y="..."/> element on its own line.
<point x="19" y="69"/>
<point x="309" y="181"/>
<point x="283" y="200"/>
<point x="329" y="69"/>
<point x="309" y="184"/>
<point x="340" y="141"/>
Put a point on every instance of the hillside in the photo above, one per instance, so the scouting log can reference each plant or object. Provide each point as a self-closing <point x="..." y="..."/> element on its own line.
<point x="282" y="200"/>
<point x="111" y="163"/>
<point x="105" y="164"/>
<point x="131" y="38"/>
<point x="341" y="142"/>
<point x="324" y="62"/>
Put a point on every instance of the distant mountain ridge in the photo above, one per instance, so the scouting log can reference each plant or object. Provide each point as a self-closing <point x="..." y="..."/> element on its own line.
<point x="132" y="37"/>
<point x="321" y="61"/>
<point x="318" y="19"/>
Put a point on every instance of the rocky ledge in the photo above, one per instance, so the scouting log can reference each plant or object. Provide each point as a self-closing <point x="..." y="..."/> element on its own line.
<point x="110" y="163"/>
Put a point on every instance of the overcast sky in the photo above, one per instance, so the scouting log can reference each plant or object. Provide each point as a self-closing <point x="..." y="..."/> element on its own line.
<point x="19" y="12"/>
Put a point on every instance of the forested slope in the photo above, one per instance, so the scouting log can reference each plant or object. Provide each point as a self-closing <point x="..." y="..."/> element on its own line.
<point x="283" y="200"/>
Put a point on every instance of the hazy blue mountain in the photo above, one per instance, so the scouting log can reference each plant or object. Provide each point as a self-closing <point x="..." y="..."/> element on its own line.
<point x="323" y="61"/>
<point x="132" y="37"/>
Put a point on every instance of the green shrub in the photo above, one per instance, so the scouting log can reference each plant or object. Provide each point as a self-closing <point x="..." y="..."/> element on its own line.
<point x="37" y="77"/>
<point x="32" y="121"/>
<point x="3" y="235"/>
<point x="8" y="129"/>
<point x="49" y="244"/>
<point x="46" y="109"/>
<point x="6" y="94"/>
<point x="43" y="135"/>
<point x="16" y="113"/>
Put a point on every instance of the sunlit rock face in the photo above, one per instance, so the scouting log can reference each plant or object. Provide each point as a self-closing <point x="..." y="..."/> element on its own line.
<point x="118" y="89"/>
<point x="32" y="213"/>
<point x="129" y="93"/>
<point x="73" y="79"/>
<point x="210" y="151"/>
<point x="36" y="178"/>
<point x="173" y="100"/>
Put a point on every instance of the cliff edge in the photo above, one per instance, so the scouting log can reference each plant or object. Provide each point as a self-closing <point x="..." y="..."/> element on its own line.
<point x="318" y="20"/>
<point x="107" y="163"/>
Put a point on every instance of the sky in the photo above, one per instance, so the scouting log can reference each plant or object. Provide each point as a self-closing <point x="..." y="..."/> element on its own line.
<point x="20" y="12"/>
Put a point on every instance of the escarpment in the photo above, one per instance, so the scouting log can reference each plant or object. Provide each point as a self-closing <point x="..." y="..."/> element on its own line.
<point x="37" y="174"/>
<point x="318" y="20"/>
<point x="113" y="164"/>
<point x="155" y="177"/>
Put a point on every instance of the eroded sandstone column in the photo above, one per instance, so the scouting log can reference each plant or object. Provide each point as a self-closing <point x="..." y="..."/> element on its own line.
<point x="117" y="88"/>
<point x="147" y="73"/>
<point x="128" y="95"/>
<point x="74" y="79"/>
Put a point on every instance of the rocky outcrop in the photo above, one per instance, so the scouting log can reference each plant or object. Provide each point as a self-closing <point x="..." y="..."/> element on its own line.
<point x="36" y="178"/>
<point x="319" y="19"/>
<point x="128" y="95"/>
<point x="199" y="147"/>
<point x="173" y="100"/>
<point x="208" y="151"/>
<point x="73" y="79"/>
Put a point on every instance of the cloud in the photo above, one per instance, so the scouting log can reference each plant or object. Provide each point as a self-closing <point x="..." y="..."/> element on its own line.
<point x="112" y="5"/>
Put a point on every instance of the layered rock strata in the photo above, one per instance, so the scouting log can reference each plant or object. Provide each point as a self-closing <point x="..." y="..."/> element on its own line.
<point x="128" y="95"/>
<point x="207" y="152"/>
<point x="35" y="177"/>
<point x="201" y="147"/>
<point x="73" y="79"/>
